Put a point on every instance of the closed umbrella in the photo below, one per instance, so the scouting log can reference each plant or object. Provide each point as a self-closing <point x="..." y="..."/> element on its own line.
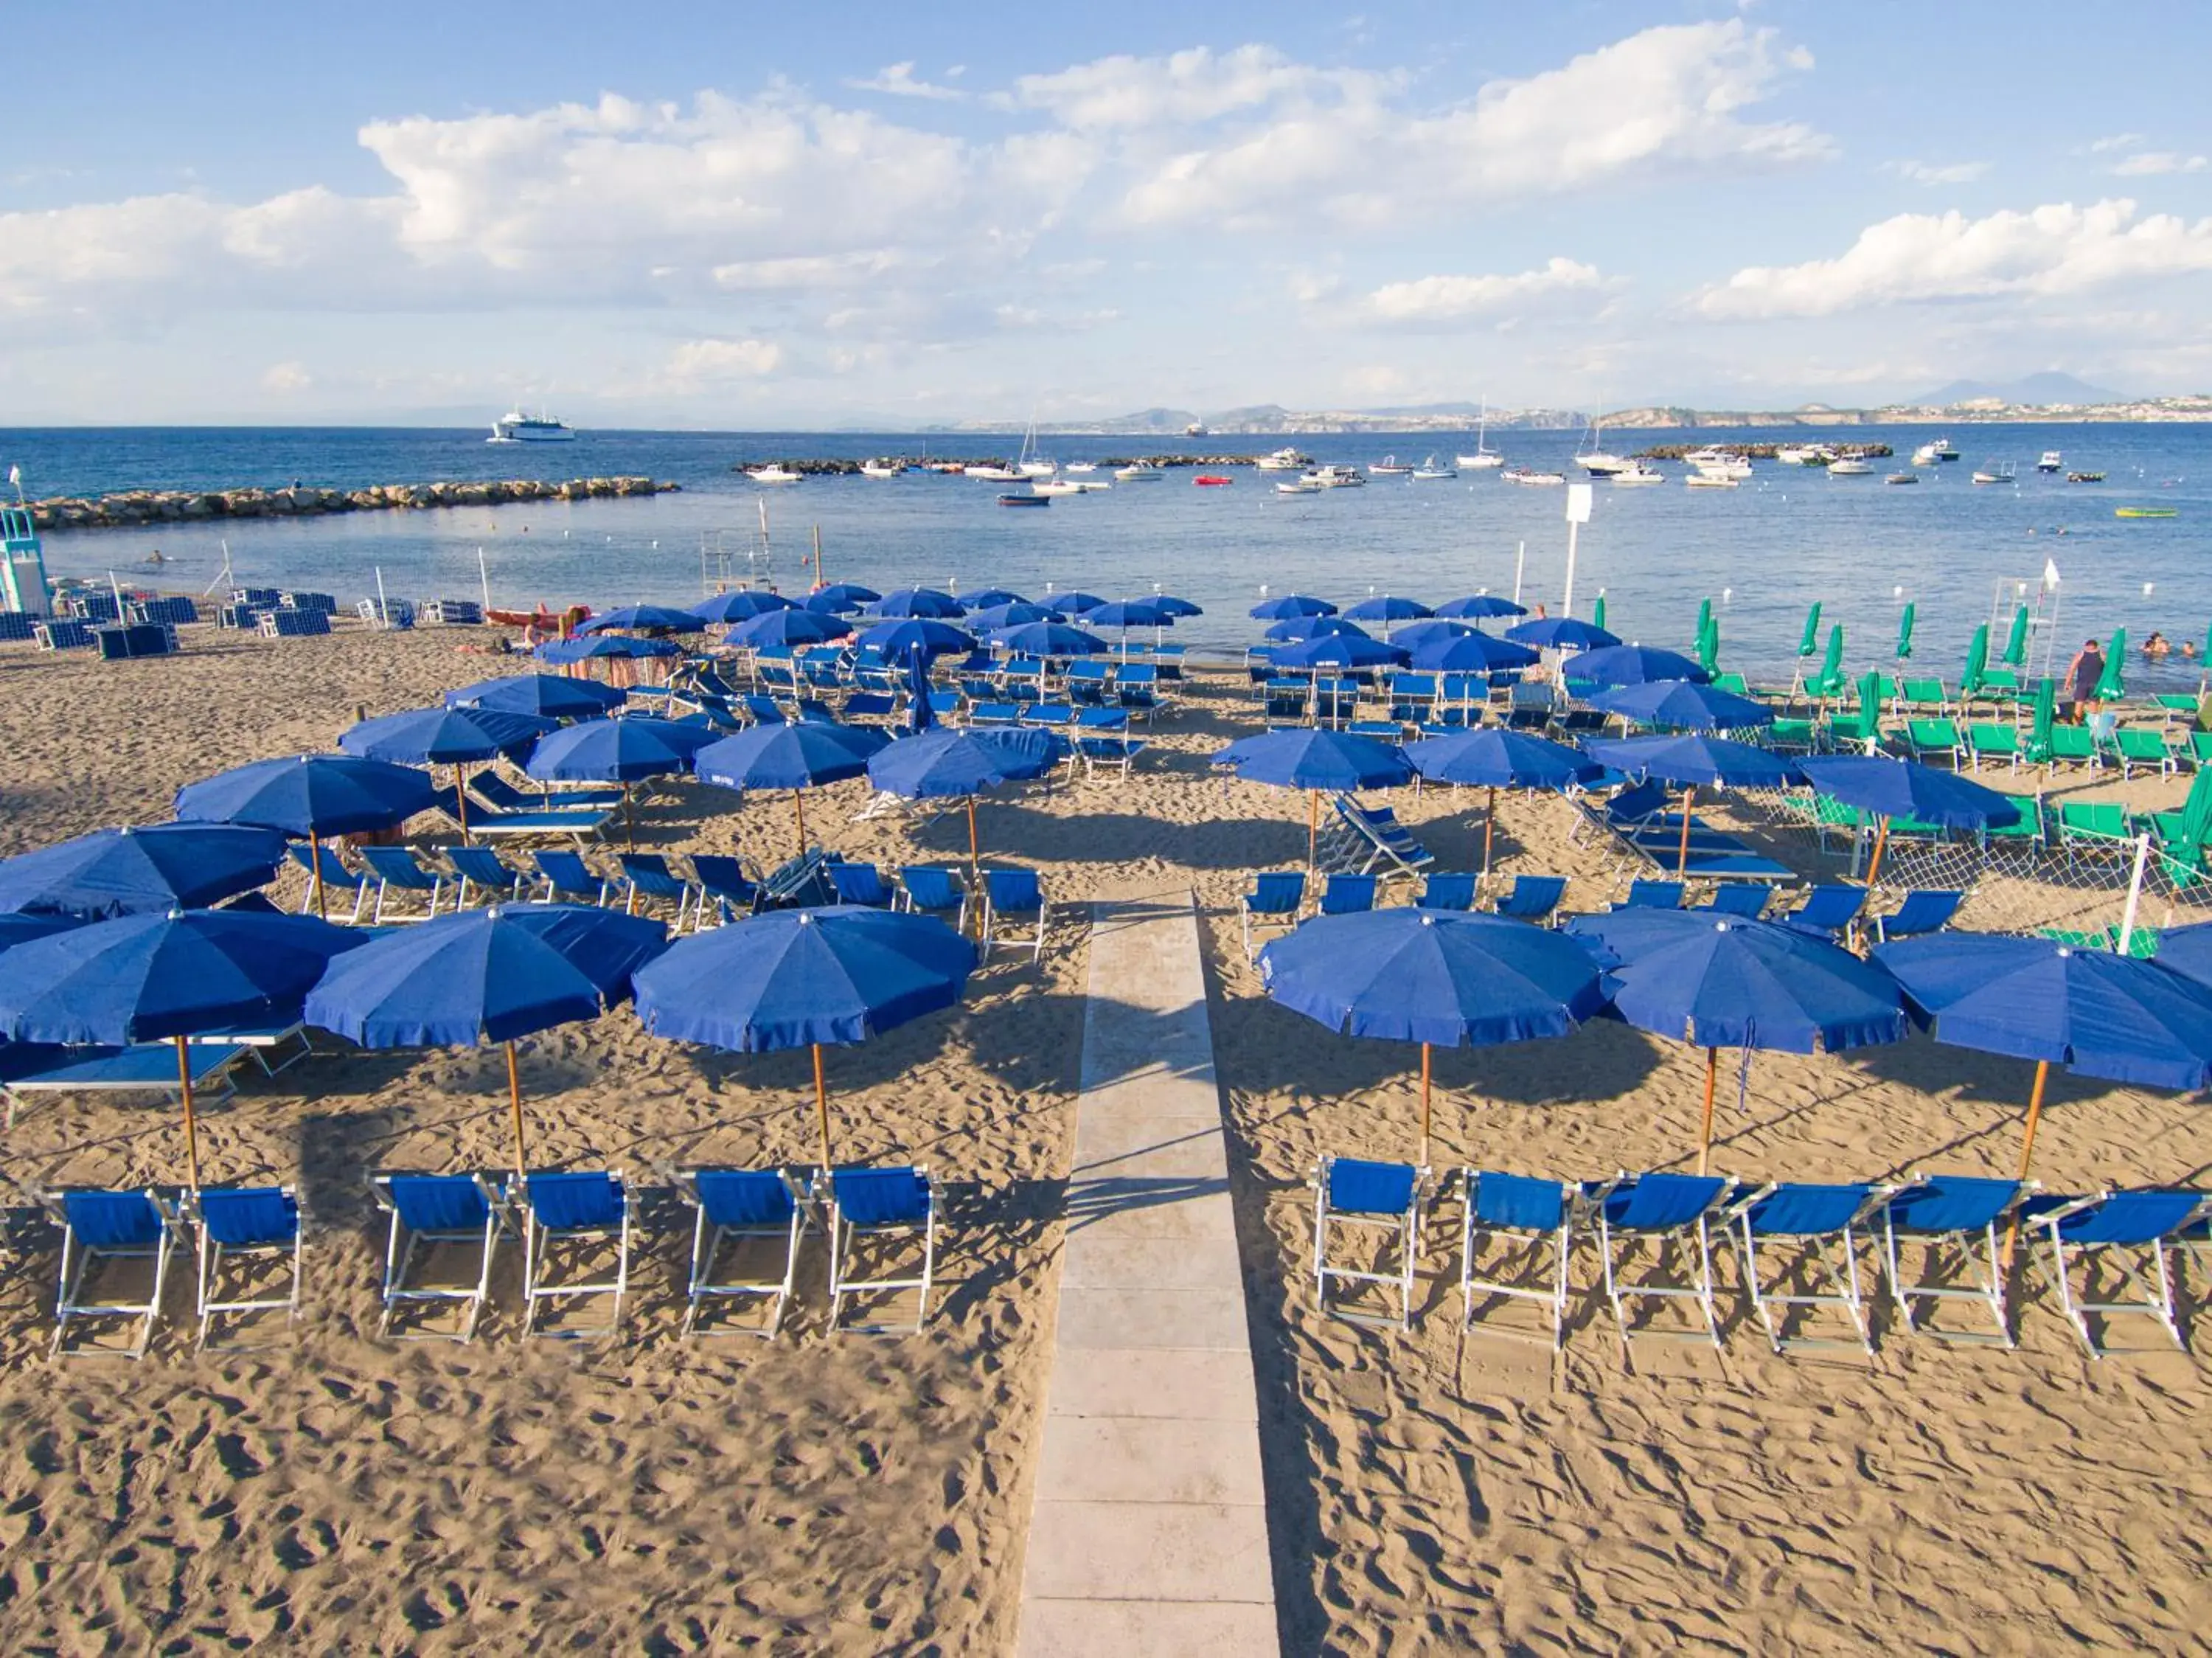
<point x="1597" y="610"/>
<point x="1905" y="788"/>
<point x="1905" y="620"/>
<point x="1736" y="984"/>
<point x="1439" y="977"/>
<point x="311" y="795"/>
<point x="944" y="764"/>
<point x="804" y="978"/>
<point x="1705" y="621"/>
<point x="1978" y="661"/>
<point x="1679" y="705"/>
<point x="490" y="975"/>
<point x="166" y="976"/>
<point x="1561" y="633"/>
<point x="794" y="757"/>
<point x="552" y="696"/>
<point x="1635" y="665"/>
<point x="2015" y="650"/>
<point x="2045" y="716"/>
<point x="1809" y="640"/>
<point x="113" y="872"/>
<point x="1829" y="681"/>
<point x="1476" y="606"/>
<point x="1709" y="645"/>
<point x="1692" y="761"/>
<point x="1492" y="757"/>
<point x="1281" y="609"/>
<point x="1314" y="760"/>
<point x="2110" y="687"/>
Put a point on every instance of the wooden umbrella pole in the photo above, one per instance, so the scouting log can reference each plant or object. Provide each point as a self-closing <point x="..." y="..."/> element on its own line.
<point x="1705" y="1123"/>
<point x="1689" y="799"/>
<point x="2027" y="1149"/>
<point x="821" y="1107"/>
<point x="1873" y="864"/>
<point x="1424" y="1105"/>
<point x="514" y="1109"/>
<point x="1489" y="826"/>
<point x="192" y="1122"/>
<point x="461" y="800"/>
<point x="1313" y="828"/>
<point x="315" y="874"/>
<point x="798" y="811"/>
<point x="975" y="849"/>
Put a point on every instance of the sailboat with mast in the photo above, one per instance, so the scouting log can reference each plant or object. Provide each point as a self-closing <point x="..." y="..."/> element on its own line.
<point x="1030" y="463"/>
<point x="1484" y="457"/>
<point x="1597" y="462"/>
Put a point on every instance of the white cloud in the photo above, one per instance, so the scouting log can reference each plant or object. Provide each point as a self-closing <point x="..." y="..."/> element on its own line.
<point x="1932" y="173"/>
<point x="1184" y="88"/>
<point x="2057" y="249"/>
<point x="286" y="377"/>
<point x="2117" y="141"/>
<point x="696" y="362"/>
<point x="897" y="80"/>
<point x="1433" y="301"/>
<point x="2151" y="162"/>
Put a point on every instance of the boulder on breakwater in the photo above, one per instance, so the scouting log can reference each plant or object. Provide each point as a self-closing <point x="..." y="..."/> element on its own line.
<point x="134" y="508"/>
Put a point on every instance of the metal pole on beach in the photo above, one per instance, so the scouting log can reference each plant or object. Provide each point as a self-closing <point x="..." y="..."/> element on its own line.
<point x="1689" y="797"/>
<point x="1424" y="1105"/>
<point x="798" y="812"/>
<point x="1520" y="563"/>
<point x="483" y="579"/>
<point x="383" y="604"/>
<point x="514" y="1107"/>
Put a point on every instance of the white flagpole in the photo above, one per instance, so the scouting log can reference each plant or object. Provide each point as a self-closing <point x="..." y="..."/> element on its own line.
<point x="483" y="579"/>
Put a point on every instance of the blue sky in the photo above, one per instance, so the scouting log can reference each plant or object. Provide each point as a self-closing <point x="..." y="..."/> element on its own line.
<point x="740" y="215"/>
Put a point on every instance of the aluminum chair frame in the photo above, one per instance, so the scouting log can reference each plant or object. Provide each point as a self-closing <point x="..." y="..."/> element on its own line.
<point x="538" y="1235"/>
<point x="1532" y="1239"/>
<point x="1405" y="1225"/>
<point x="212" y="1252"/>
<point x="1698" y="1229"/>
<point x="1843" y="1273"/>
<point x="1290" y="880"/>
<point x="397" y="1293"/>
<point x="81" y="1259"/>
<point x="1988" y="1291"/>
<point x="993" y="911"/>
<point x="2057" y="1272"/>
<point x="844" y="1231"/>
<point x="709" y="1237"/>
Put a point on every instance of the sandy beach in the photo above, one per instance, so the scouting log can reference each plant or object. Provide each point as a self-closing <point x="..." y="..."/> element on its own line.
<point x="1427" y="1491"/>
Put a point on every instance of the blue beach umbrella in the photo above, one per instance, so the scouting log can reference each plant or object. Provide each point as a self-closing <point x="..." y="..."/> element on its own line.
<point x="1414" y="635"/>
<point x="166" y="976"/>
<point x="21" y="929"/>
<point x="1314" y="760"/>
<point x="841" y="598"/>
<point x="1693" y="761"/>
<point x="1737" y="984"/>
<point x="2095" y="1012"/>
<point x="794" y="757"/>
<point x="1679" y="705"/>
<point x="1477" y="605"/>
<point x="920" y="716"/>
<point x="553" y="696"/>
<point x="595" y="646"/>
<point x="2184" y="950"/>
<point x="1492" y="757"/>
<point x="1905" y="788"/>
<point x="799" y="978"/>
<point x="896" y="638"/>
<point x="1073" y="602"/>
<point x="1296" y="630"/>
<point x="311" y="795"/>
<point x="1175" y="606"/>
<point x="1282" y="608"/>
<point x="617" y="751"/>
<point x="664" y="619"/>
<point x="490" y="975"/>
<point x="788" y="627"/>
<point x="1561" y="633"/>
<point x="741" y="605"/>
<point x="1049" y="639"/>
<point x="1440" y="978"/>
<point x="1636" y="665"/>
<point x="113" y="872"/>
<point x="1389" y="608"/>
<point x="1013" y="615"/>
<point x="1472" y="653"/>
<point x="944" y="764"/>
<point x="1339" y="651"/>
<point x="905" y="602"/>
<point x="991" y="599"/>
<point x="444" y="736"/>
<point x="1125" y="613"/>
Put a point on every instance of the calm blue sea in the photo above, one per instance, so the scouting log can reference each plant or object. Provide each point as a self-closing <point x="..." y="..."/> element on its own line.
<point x="1761" y="552"/>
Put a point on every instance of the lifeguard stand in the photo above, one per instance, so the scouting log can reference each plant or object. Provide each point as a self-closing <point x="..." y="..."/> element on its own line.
<point x="22" y="565"/>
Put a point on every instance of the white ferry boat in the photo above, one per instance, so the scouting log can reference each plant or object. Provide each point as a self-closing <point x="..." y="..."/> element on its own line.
<point x="516" y="427"/>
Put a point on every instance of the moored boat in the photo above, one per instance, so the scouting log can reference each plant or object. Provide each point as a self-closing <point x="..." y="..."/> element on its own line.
<point x="1530" y="475"/>
<point x="1284" y="460"/>
<point x="1030" y="497"/>
<point x="1140" y="472"/>
<point x="1212" y="481"/>
<point x="1994" y="471"/>
<point x="1848" y="466"/>
<point x="1389" y="467"/>
<point x="774" y="472"/>
<point x="1902" y="477"/>
<point x="2051" y="462"/>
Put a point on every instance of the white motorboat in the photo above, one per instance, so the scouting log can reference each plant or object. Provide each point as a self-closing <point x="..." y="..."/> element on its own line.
<point x="1055" y="486"/>
<point x="2052" y="461"/>
<point x="1945" y="449"/>
<point x="1709" y="480"/>
<point x="880" y="469"/>
<point x="1635" y="472"/>
<point x="1336" y="477"/>
<point x="1300" y="486"/>
<point x="1090" y="486"/>
<point x="1389" y="467"/>
<point x="995" y="474"/>
<point x="1793" y="455"/>
<point x="1924" y="455"/>
<point x="1142" y="472"/>
<point x="1529" y="475"/>
<point x="516" y="427"/>
<point x="1429" y="472"/>
<point x="1850" y="466"/>
<point x="1079" y="468"/>
<point x="1902" y="477"/>
<point x="1994" y="471"/>
<point x="1284" y="460"/>
<point x="774" y="472"/>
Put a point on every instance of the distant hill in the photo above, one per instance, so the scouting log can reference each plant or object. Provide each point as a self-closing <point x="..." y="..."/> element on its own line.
<point x="2042" y="390"/>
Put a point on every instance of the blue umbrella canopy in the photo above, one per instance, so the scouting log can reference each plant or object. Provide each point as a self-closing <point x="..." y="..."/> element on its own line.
<point x="1339" y="650"/>
<point x="1127" y="613"/>
<point x="896" y="638"/>
<point x="664" y="617"/>
<point x="919" y="602"/>
<point x="1680" y="705"/>
<point x="801" y="978"/>
<point x="1707" y="762"/>
<point x="113" y="872"/>
<point x="21" y="929"/>
<point x="1906" y="789"/>
<point x="1175" y="606"/>
<point x="1636" y="665"/>
<point x="312" y="795"/>
<point x="1389" y="608"/>
<point x="787" y="756"/>
<point x="1282" y="608"/>
<point x="991" y="599"/>
<point x="942" y="763"/>
<point x="1072" y="602"/>
<point x="1476" y="606"/>
<point x="741" y="606"/>
<point x="1414" y="635"/>
<point x="1049" y="639"/>
<point x="1494" y="757"/>
<point x="2188" y="951"/>
<point x="553" y="696"/>
<point x="1297" y="629"/>
<point x="444" y="736"/>
<point x="592" y="647"/>
<point x="617" y="751"/>
<point x="841" y="598"/>
<point x="1317" y="759"/>
<point x="1472" y="653"/>
<point x="788" y="627"/>
<point x="1439" y="977"/>
<point x="1015" y="613"/>
<point x="1562" y="633"/>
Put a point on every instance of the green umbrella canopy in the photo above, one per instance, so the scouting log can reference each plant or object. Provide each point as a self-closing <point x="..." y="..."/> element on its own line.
<point x="2196" y="810"/>
<point x="2015" y="650"/>
<point x="1905" y="631"/>
<point x="1708" y="644"/>
<point x="1705" y="618"/>
<point x="2116" y="653"/>
<point x="1597" y="611"/>
<point x="2046" y="713"/>
<point x="1830" y="680"/>
<point x="1810" y="641"/>
<point x="1978" y="658"/>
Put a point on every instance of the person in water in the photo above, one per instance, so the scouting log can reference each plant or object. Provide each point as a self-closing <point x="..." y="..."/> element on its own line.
<point x="2082" y="674"/>
<point x="2157" y="648"/>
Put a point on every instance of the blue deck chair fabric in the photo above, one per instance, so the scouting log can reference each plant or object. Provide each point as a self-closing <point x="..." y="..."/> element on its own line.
<point x="727" y="881"/>
<point x="2095" y="1233"/>
<point x="98" y="1228"/>
<point x="732" y="1205"/>
<point x="430" y="1213"/>
<point x="648" y="875"/>
<point x="1920" y="913"/>
<point x="499" y="794"/>
<point x="1749" y="902"/>
<point x="1346" y="895"/>
<point x="481" y="867"/>
<point x="1805" y="1220"/>
<point x="336" y="878"/>
<point x="244" y="1223"/>
<point x="1525" y="1211"/>
<point x="397" y="870"/>
<point x="566" y="1208"/>
<point x="1276" y="898"/>
<point x="569" y="878"/>
<point x="879" y="1204"/>
<point x="1012" y="895"/>
<point x="1827" y="911"/>
<point x="1370" y="1199"/>
<point x="860" y="883"/>
<point x="1663" y="1209"/>
<point x="1533" y="898"/>
<point x="1653" y="895"/>
<point x="1953" y="1220"/>
<point x="932" y="889"/>
<point x="1447" y="892"/>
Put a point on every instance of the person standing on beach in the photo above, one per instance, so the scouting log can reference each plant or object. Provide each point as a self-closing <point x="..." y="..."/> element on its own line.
<point x="2080" y="692"/>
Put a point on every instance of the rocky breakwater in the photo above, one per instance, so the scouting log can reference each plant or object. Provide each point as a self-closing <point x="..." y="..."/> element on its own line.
<point x="136" y="507"/>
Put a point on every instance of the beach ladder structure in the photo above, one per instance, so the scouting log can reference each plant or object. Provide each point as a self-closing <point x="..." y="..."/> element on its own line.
<point x="23" y="587"/>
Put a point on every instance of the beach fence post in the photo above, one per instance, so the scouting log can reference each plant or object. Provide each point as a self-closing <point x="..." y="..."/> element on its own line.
<point x="1489" y="828"/>
<point x="191" y="1123"/>
<point x="1579" y="496"/>
<point x="821" y="1104"/>
<point x="1313" y="831"/>
<point x="1520" y="564"/>
<point x="483" y="579"/>
<point x="383" y="604"/>
<point x="514" y="1106"/>
<point x="2134" y="892"/>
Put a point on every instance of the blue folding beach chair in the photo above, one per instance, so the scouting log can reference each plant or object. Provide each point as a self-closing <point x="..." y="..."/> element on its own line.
<point x="481" y="867"/>
<point x="336" y="878"/>
<point x="879" y="1205"/>
<point x="571" y="1222"/>
<point x="99" y="1230"/>
<point x="1531" y="1216"/>
<point x="1665" y="1211"/>
<point x="1378" y="1201"/>
<point x="1652" y="895"/>
<point x="726" y="880"/>
<point x="569" y="878"/>
<point x="1790" y="1215"/>
<point x="1533" y="898"/>
<point x="1275" y="900"/>
<point x="1920" y="913"/>
<point x="1828" y="911"/>
<point x="1347" y="895"/>
<point x="1440" y="892"/>
<point x="860" y="883"/>
<point x="1012" y="895"/>
<point x="1741" y="902"/>
<point x="930" y="889"/>
<point x="735" y="1207"/>
<point x="647" y="875"/>
<point x="2115" y="1237"/>
<point x="434" y="1216"/>
<point x="1952" y="1218"/>
<point x="243" y="1229"/>
<point x="396" y="867"/>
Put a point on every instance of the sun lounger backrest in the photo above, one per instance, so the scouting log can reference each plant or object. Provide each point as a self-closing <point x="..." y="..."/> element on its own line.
<point x="1347" y="894"/>
<point x="744" y="1197"/>
<point x="1356" y="1186"/>
<point x="2130" y="1217"/>
<point x="929" y="887"/>
<point x="1654" y="895"/>
<point x="1447" y="892"/>
<point x="1520" y="1201"/>
<point x="568" y="872"/>
<point x="438" y="1203"/>
<point x="243" y="1218"/>
<point x="481" y="865"/>
<point x="1532" y="897"/>
<point x="1659" y="1203"/>
<point x="575" y="1201"/>
<point x="1797" y="1209"/>
<point x="1747" y="902"/>
<point x="398" y="866"/>
<point x="1013" y="889"/>
<point x="1276" y="893"/>
<point x="860" y="883"/>
<point x="113" y="1220"/>
<point x="1830" y="906"/>
<point x="1923" y="912"/>
<point x="1637" y="802"/>
<point x="1952" y="1203"/>
<point x="881" y="1197"/>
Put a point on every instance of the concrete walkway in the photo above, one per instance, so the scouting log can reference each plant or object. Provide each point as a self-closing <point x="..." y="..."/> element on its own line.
<point x="1150" y="1532"/>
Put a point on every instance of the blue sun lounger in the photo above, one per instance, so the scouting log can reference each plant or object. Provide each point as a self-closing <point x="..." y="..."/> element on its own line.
<point x="1663" y="1210"/>
<point x="1369" y="1199"/>
<point x="1349" y="895"/>
<point x="1533" y="898"/>
<point x="860" y="883"/>
<point x="1275" y="900"/>
<point x="592" y="1212"/>
<point x="726" y="880"/>
<point x="1366" y="838"/>
<point x="649" y="875"/>
<point x="1827" y="911"/>
<point x="1954" y="1220"/>
<point x="143" y="1067"/>
<point x="874" y="1203"/>
<point x="2115" y="1237"/>
<point x="485" y="869"/>
<point x="1447" y="892"/>
<point x="336" y="878"/>
<point x="1532" y="1215"/>
<point x="1805" y="1221"/>
<point x="395" y="866"/>
<point x="568" y="878"/>
<point x="733" y="1206"/>
<point x="100" y="1228"/>
<point x="1012" y="893"/>
<point x="931" y="889"/>
<point x="431" y="1213"/>
<point x="244" y="1224"/>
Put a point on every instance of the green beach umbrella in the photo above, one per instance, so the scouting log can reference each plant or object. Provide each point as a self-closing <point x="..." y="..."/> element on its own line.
<point x="1978" y="661"/>
<point x="1810" y="641"/>
<point x="2015" y="650"/>
<point x="2109" y="686"/>
<point x="1829" y="680"/>
<point x="2196" y="827"/>
<point x="1905" y="631"/>
<point x="1705" y="618"/>
<point x="1708" y="644"/>
<point x="1597" y="611"/>
<point x="2046" y="714"/>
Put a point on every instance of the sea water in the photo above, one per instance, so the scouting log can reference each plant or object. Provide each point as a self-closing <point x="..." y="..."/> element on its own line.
<point x="1964" y="553"/>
